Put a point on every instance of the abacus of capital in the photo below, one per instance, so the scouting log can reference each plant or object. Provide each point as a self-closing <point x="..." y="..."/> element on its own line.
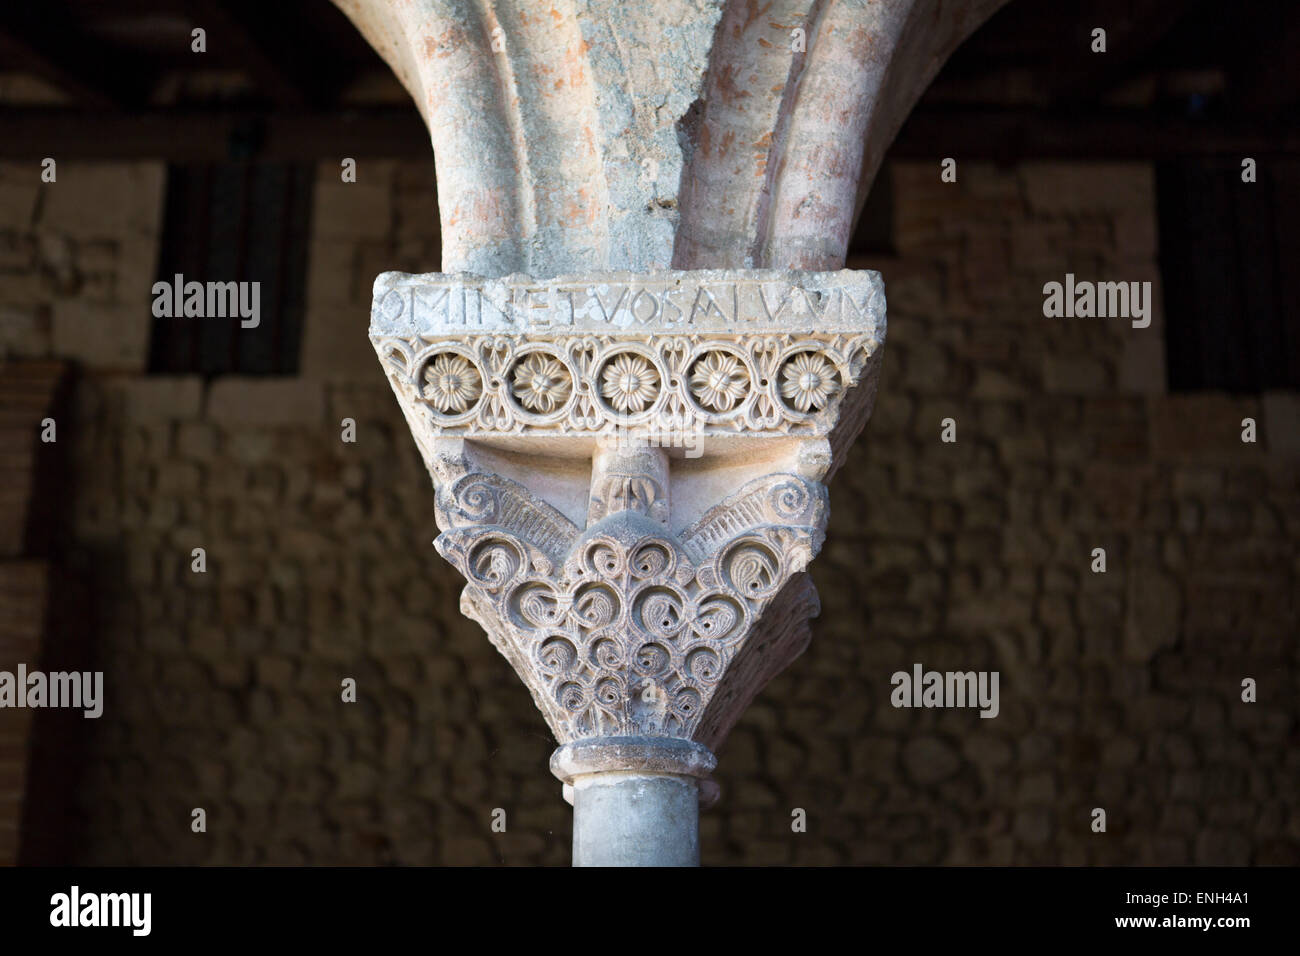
<point x="645" y="209"/>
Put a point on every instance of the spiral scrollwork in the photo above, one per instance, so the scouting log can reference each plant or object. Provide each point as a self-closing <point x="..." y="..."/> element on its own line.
<point x="609" y="692"/>
<point x="556" y="655"/>
<point x="636" y="610"/>
<point x="789" y="499"/>
<point x="494" y="562"/>
<point x="704" y="665"/>
<point x="753" y="569"/>
<point x="651" y="659"/>
<point x="595" y="605"/>
<point x="396" y="358"/>
<point x="719" y="618"/>
<point x="659" y="612"/>
<point x="572" y="696"/>
<point x="606" y="654"/>
<point x="631" y="632"/>
<point x="651" y="560"/>
<point x="477" y="500"/>
<point x="686" y="704"/>
<point x="535" y="605"/>
<point x="603" y="560"/>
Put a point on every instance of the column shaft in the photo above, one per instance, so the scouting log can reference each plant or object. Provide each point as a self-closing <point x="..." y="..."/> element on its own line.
<point x="636" y="819"/>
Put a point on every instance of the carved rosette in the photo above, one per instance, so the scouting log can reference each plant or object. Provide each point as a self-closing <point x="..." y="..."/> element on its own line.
<point x="557" y="383"/>
<point x="644" y="586"/>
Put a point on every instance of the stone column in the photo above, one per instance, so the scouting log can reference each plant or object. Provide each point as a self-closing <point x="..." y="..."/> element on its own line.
<point x="641" y="817"/>
<point x="642" y="360"/>
<point x="630" y="476"/>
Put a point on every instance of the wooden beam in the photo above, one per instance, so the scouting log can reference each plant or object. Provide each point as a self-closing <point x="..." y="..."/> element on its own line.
<point x="1012" y="135"/>
<point x="930" y="133"/>
<point x="270" y="49"/>
<point x="1134" y="28"/>
<point x="41" y="40"/>
<point x="1264" y="76"/>
<point x="215" y="137"/>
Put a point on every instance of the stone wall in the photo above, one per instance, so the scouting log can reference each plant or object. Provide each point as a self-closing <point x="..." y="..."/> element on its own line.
<point x="1118" y="690"/>
<point x="29" y="392"/>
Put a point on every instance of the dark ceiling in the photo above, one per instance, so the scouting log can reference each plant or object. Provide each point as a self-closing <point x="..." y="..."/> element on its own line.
<point x="293" y="79"/>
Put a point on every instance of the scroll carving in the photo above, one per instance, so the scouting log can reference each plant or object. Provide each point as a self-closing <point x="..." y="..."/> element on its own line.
<point x="635" y="632"/>
<point x="637" y="595"/>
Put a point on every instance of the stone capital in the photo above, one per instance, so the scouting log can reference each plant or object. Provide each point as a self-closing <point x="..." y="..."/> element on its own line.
<point x="629" y="474"/>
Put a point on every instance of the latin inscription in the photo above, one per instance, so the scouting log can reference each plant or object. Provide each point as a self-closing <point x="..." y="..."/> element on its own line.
<point x="851" y="300"/>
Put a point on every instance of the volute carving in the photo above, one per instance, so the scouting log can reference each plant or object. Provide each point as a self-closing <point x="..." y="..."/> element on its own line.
<point x="643" y="586"/>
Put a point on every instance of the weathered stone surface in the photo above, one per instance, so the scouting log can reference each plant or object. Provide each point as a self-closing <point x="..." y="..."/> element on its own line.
<point x="929" y="760"/>
<point x="106" y="337"/>
<point x="163" y="398"/>
<point x="1154" y="608"/>
<point x="334" y="346"/>
<point x="686" y="133"/>
<point x="1281" y="424"/>
<point x="629" y="472"/>
<point x="236" y="399"/>
<point x="636" y="820"/>
<point x="627" y="351"/>
<point x="96" y="199"/>
<point x="1193" y="427"/>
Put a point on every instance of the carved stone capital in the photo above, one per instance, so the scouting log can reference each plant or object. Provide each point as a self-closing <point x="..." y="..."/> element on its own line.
<point x="629" y="475"/>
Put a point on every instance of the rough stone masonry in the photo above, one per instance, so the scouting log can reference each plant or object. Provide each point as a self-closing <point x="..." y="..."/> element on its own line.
<point x="959" y="556"/>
